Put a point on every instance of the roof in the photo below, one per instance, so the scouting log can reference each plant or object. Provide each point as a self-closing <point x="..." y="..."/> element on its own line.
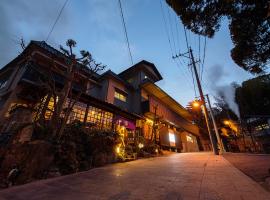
<point x="58" y="53"/>
<point x="139" y="64"/>
<point x="49" y="49"/>
<point x="166" y="99"/>
<point x="114" y="75"/>
<point x="185" y="122"/>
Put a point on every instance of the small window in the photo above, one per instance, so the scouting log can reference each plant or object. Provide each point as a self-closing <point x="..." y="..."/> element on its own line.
<point x="120" y="95"/>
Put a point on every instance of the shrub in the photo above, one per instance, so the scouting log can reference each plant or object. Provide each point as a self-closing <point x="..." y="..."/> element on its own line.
<point x="81" y="148"/>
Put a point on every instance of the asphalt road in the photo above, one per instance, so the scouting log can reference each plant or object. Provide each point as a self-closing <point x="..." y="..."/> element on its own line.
<point x="177" y="176"/>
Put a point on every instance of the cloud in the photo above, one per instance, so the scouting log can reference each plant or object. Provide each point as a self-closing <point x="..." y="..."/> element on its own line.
<point x="95" y="25"/>
<point x="28" y="19"/>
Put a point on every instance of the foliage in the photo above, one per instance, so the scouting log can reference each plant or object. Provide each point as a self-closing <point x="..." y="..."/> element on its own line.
<point x="151" y="148"/>
<point x="249" y="25"/>
<point x="76" y="65"/>
<point x="253" y="96"/>
<point x="81" y="148"/>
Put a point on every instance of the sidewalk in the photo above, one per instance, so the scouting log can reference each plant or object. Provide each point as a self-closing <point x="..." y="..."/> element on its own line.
<point x="178" y="176"/>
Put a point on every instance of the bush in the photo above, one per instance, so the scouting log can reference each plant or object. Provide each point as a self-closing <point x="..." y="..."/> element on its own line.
<point x="151" y="148"/>
<point x="81" y="148"/>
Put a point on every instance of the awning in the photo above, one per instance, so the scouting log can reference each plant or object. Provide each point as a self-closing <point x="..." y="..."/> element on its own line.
<point x="151" y="88"/>
<point x="124" y="122"/>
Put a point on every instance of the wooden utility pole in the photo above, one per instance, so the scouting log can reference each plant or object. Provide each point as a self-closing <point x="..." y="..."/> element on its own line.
<point x="222" y="149"/>
<point x="213" y="141"/>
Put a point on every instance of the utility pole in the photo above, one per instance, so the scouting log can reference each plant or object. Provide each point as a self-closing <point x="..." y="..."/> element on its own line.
<point x="213" y="141"/>
<point x="215" y="125"/>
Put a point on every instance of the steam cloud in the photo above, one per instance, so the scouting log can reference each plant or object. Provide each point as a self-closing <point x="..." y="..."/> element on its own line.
<point x="215" y="74"/>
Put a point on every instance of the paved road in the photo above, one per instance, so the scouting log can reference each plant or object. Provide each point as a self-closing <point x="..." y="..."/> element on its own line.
<point x="257" y="166"/>
<point x="177" y="176"/>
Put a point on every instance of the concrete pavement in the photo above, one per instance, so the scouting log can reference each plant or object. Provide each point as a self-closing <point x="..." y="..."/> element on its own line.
<point x="177" y="176"/>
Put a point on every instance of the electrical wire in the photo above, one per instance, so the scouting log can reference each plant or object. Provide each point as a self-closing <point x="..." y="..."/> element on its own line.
<point x="170" y="44"/>
<point x="125" y="30"/>
<point x="56" y="20"/>
<point x="171" y="29"/>
<point x="185" y="31"/>
<point x="165" y="24"/>
<point x="204" y="52"/>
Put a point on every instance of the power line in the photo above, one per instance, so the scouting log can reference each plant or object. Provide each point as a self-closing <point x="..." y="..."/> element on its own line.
<point x="171" y="29"/>
<point x="165" y="24"/>
<point x="59" y="14"/>
<point x="204" y="52"/>
<point x="170" y="44"/>
<point x="185" y="31"/>
<point x="125" y="30"/>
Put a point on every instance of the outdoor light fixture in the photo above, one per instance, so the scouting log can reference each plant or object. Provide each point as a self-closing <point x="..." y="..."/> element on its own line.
<point x="118" y="150"/>
<point x="226" y="122"/>
<point x="196" y="103"/>
<point x="156" y="150"/>
<point x="140" y="145"/>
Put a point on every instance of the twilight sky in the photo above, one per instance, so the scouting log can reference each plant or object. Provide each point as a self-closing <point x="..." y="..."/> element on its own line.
<point x="96" y="26"/>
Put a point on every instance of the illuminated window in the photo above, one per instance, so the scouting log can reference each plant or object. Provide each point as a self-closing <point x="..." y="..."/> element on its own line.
<point x="78" y="112"/>
<point x="102" y="119"/>
<point x="50" y="107"/>
<point x="119" y="95"/>
<point x="189" y="138"/>
<point x="172" y="139"/>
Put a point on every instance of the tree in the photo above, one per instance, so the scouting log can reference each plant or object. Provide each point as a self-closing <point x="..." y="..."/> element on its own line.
<point x="253" y="96"/>
<point x="75" y="66"/>
<point x="249" y="24"/>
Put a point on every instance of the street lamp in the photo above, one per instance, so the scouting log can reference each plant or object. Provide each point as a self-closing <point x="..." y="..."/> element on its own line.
<point x="196" y="104"/>
<point x="226" y="122"/>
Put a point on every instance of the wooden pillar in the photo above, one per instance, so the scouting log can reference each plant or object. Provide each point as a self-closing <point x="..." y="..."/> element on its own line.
<point x="85" y="115"/>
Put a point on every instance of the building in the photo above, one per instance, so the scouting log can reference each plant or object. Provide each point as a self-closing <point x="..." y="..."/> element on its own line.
<point x="130" y="101"/>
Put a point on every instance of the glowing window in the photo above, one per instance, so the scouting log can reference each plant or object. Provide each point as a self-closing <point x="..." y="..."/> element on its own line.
<point x="189" y="139"/>
<point x="172" y="139"/>
<point x="100" y="118"/>
<point x="120" y="96"/>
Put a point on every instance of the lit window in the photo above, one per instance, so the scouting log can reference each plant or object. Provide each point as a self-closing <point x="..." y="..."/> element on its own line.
<point x="190" y="139"/>
<point x="100" y="118"/>
<point x="120" y="96"/>
<point x="172" y="139"/>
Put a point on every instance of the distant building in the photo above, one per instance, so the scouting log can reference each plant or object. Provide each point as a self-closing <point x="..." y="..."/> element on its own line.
<point x="130" y="101"/>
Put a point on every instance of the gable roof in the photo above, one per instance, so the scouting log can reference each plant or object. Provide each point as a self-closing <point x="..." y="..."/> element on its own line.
<point x="110" y="73"/>
<point x="51" y="50"/>
<point x="133" y="68"/>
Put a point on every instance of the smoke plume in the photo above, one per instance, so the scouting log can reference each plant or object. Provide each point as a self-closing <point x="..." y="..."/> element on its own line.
<point x="226" y="91"/>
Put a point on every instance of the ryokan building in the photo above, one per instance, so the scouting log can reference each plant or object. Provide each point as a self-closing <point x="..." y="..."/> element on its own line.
<point x="130" y="101"/>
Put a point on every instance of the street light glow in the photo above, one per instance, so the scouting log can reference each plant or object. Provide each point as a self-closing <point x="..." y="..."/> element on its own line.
<point x="196" y="104"/>
<point x="226" y="122"/>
